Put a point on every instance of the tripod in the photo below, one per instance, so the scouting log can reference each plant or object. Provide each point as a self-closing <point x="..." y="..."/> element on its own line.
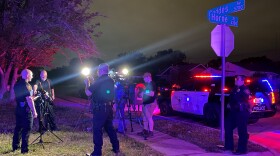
<point x="44" y="115"/>
<point x="120" y="113"/>
<point x="138" y="118"/>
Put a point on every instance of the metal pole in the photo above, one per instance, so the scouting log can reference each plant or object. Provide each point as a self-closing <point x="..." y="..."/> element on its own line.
<point x="223" y="80"/>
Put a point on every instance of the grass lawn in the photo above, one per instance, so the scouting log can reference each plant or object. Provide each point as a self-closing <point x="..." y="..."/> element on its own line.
<point x="76" y="139"/>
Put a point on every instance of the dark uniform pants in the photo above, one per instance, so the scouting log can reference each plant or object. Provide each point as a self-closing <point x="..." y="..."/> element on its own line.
<point x="24" y="122"/>
<point x="237" y="119"/>
<point x="103" y="117"/>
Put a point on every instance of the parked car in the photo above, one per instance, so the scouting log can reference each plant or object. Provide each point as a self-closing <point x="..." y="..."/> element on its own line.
<point x="203" y="93"/>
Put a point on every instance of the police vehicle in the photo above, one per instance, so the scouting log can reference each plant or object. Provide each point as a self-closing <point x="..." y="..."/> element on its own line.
<point x="202" y="96"/>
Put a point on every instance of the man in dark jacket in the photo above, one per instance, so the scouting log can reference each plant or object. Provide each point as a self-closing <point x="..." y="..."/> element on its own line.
<point x="25" y="111"/>
<point x="238" y="116"/>
<point x="45" y="108"/>
<point x="102" y="92"/>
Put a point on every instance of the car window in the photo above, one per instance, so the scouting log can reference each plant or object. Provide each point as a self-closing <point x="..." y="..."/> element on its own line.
<point x="260" y="86"/>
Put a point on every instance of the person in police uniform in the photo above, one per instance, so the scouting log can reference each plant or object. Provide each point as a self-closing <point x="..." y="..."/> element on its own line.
<point x="45" y="84"/>
<point x="25" y="111"/>
<point x="102" y="92"/>
<point x="238" y="116"/>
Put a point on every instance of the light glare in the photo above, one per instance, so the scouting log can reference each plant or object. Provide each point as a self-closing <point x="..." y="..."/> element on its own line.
<point x="86" y="71"/>
<point x="125" y="71"/>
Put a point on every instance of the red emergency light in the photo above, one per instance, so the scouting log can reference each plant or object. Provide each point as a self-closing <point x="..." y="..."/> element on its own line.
<point x="206" y="76"/>
<point x="248" y="81"/>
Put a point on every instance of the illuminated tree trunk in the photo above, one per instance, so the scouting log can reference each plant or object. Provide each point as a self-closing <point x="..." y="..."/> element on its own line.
<point x="7" y="94"/>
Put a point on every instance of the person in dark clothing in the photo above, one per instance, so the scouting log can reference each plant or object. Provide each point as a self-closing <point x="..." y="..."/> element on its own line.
<point x="149" y="105"/>
<point x="45" y="107"/>
<point x="25" y="111"/>
<point x="103" y="93"/>
<point x="238" y="116"/>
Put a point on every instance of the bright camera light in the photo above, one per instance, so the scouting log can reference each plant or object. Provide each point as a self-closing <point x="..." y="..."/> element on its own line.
<point x="85" y="71"/>
<point x="125" y="71"/>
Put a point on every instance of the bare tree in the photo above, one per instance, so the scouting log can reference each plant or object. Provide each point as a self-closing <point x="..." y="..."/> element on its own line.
<point x="32" y="31"/>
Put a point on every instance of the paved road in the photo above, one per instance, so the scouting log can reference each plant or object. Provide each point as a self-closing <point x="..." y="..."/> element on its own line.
<point x="266" y="132"/>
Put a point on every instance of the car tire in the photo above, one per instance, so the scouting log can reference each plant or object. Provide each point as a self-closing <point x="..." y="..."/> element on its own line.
<point x="165" y="108"/>
<point x="211" y="114"/>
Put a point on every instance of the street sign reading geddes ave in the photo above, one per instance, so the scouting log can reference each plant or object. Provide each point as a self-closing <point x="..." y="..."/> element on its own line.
<point x="220" y="15"/>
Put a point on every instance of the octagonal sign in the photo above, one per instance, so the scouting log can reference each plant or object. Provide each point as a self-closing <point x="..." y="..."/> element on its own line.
<point x="216" y="40"/>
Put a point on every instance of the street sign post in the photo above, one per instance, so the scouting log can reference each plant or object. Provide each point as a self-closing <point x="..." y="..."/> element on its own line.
<point x="222" y="40"/>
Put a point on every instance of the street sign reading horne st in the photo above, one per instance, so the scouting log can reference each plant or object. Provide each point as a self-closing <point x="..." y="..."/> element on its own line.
<point x="223" y="19"/>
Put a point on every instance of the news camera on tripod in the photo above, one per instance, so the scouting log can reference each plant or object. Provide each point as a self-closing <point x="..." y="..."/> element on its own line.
<point x="44" y="105"/>
<point x="124" y="90"/>
<point x="44" y="93"/>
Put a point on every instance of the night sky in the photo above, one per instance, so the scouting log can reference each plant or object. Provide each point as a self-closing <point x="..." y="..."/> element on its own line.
<point x="151" y="25"/>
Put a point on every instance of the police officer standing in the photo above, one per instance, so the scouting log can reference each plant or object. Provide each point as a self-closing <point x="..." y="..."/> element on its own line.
<point x="25" y="111"/>
<point x="102" y="92"/>
<point x="238" y="116"/>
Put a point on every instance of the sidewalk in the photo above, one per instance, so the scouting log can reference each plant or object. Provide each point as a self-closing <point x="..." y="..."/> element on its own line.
<point x="171" y="146"/>
<point x="161" y="142"/>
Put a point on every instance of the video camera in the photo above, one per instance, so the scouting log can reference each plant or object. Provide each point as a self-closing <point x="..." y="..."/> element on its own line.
<point x="42" y="96"/>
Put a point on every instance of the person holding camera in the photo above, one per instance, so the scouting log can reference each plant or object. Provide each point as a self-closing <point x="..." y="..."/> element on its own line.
<point x="25" y="111"/>
<point x="102" y="92"/>
<point x="46" y="89"/>
<point x="149" y="105"/>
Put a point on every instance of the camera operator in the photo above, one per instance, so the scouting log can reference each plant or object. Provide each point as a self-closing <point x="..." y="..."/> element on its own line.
<point x="102" y="92"/>
<point x="45" y="87"/>
<point x="149" y="105"/>
<point x="25" y="111"/>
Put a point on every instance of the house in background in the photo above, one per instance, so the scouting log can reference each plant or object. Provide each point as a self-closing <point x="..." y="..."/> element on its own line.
<point x="231" y="70"/>
<point x="178" y="74"/>
<point x="234" y="69"/>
